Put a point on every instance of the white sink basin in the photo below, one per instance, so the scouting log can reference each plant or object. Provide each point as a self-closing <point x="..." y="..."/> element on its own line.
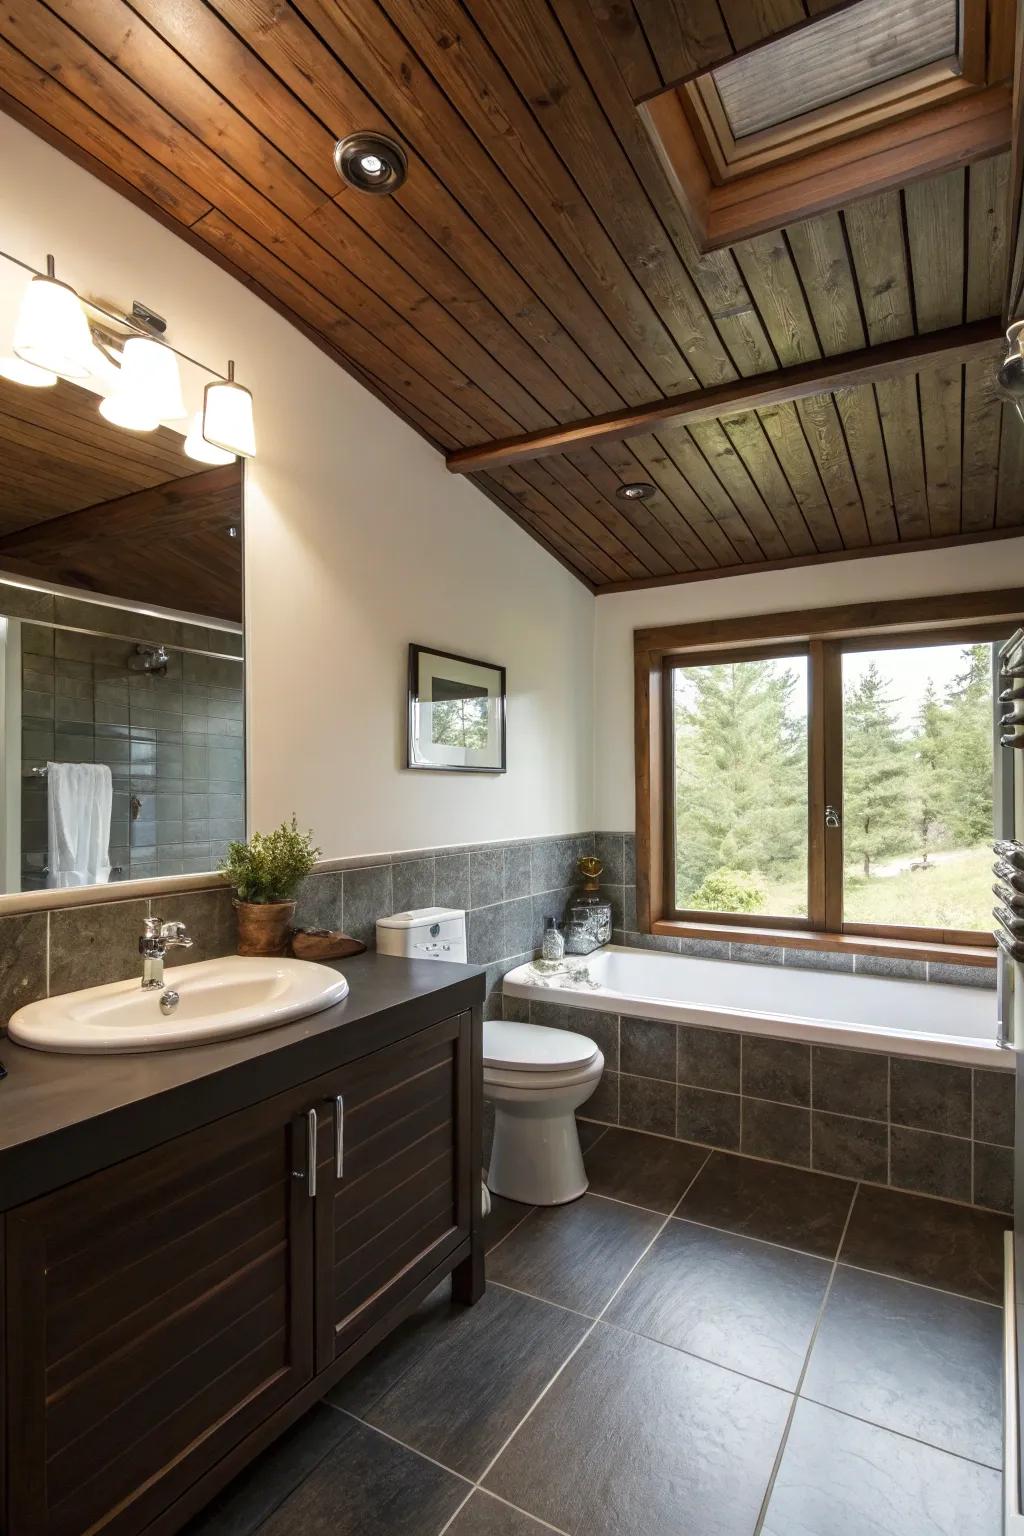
<point x="219" y="999"/>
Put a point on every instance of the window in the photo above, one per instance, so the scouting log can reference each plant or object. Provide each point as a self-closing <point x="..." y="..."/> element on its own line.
<point x="740" y="801"/>
<point x="841" y="784"/>
<point x="811" y="118"/>
<point x="843" y="57"/>
<point x="917" y="821"/>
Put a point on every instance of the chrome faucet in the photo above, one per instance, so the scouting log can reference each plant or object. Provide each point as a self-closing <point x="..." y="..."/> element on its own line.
<point x="157" y="938"/>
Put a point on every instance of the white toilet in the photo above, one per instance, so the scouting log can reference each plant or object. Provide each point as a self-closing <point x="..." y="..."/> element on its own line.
<point x="536" y="1079"/>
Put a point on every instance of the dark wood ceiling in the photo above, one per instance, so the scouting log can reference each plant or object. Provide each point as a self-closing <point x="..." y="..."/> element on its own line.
<point x="59" y="454"/>
<point x="86" y="504"/>
<point x="537" y="269"/>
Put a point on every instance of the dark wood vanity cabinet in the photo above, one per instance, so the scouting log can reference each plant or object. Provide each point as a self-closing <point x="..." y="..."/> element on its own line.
<point x="393" y="1195"/>
<point x="162" y="1310"/>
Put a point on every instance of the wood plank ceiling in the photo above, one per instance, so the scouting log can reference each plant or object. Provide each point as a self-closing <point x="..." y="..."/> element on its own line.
<point x="536" y="267"/>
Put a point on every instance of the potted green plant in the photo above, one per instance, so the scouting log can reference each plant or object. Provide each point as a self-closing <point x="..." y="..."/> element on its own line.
<point x="266" y="873"/>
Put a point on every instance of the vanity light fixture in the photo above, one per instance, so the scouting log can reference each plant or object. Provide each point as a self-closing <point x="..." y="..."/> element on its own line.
<point x="121" y="409"/>
<point x="52" y="331"/>
<point x="1011" y="374"/>
<point x="19" y="372"/>
<point x="371" y="162"/>
<point x="148" y="387"/>
<point x="196" y="447"/>
<point x="635" y="490"/>
<point x="228" y="416"/>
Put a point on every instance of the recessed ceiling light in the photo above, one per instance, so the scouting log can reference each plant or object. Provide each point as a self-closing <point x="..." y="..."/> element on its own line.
<point x="371" y="162"/>
<point x="636" y="490"/>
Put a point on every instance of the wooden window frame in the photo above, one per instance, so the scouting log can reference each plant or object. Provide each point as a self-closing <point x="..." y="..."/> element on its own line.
<point x="823" y="635"/>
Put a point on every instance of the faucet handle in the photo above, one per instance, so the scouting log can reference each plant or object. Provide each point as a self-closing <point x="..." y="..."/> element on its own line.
<point x="150" y="927"/>
<point x="175" y="936"/>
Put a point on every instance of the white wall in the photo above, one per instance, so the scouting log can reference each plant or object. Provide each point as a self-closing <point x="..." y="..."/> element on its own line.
<point x="972" y="567"/>
<point x="357" y="542"/>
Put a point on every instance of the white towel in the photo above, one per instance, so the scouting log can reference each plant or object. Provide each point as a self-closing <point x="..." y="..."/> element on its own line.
<point x="79" y="797"/>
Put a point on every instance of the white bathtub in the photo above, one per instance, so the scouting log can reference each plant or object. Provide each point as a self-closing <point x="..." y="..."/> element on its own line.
<point x="912" y="1018"/>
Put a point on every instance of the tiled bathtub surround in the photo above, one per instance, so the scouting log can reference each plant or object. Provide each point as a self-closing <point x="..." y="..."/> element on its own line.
<point x="930" y="1127"/>
<point x="617" y="851"/>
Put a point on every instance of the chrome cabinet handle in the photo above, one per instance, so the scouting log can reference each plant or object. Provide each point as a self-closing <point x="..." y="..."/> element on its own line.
<point x="831" y="817"/>
<point x="339" y="1136"/>
<point x="311" y="1130"/>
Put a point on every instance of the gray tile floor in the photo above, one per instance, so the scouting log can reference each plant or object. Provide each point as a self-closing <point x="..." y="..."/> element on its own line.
<point x="703" y="1345"/>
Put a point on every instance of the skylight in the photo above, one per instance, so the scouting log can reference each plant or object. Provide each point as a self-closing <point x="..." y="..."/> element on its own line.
<point x="836" y="58"/>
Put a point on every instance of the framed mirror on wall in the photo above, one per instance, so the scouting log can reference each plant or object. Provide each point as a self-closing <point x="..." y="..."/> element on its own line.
<point x="122" y="693"/>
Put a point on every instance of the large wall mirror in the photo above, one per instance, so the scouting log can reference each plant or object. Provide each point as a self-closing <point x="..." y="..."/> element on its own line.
<point x="122" y="712"/>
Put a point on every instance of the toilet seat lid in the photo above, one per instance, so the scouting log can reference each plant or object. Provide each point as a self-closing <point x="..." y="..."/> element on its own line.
<point x="534" y="1047"/>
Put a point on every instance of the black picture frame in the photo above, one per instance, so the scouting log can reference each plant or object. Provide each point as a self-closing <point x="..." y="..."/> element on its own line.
<point x="416" y="755"/>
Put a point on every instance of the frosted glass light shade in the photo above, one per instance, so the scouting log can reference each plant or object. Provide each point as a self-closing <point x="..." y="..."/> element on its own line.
<point x="148" y="389"/>
<point x="228" y="417"/>
<point x="196" y="446"/>
<point x="26" y="373"/>
<point x="51" y="330"/>
<point x="126" y="410"/>
<point x="149" y="370"/>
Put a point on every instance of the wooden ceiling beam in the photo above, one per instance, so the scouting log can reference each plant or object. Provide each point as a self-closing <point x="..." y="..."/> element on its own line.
<point x="957" y="344"/>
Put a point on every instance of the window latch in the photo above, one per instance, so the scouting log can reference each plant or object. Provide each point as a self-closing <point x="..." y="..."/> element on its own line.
<point x="831" y="817"/>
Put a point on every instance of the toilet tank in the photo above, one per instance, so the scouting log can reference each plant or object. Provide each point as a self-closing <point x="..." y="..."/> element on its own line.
<point x="425" y="933"/>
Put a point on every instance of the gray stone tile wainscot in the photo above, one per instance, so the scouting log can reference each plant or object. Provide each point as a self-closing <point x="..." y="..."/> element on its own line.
<point x="502" y="886"/>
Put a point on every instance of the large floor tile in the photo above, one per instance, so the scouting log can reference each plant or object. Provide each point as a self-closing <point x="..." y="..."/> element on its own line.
<point x="575" y="1255"/>
<point x="914" y="1238"/>
<point x="651" y="1171"/>
<point x="914" y="1360"/>
<point x="396" y="1354"/>
<point x="486" y="1515"/>
<point x="841" y="1477"/>
<point x="635" y="1439"/>
<point x="504" y="1215"/>
<point x="466" y="1393"/>
<point x="741" y="1303"/>
<point x="791" y="1206"/>
<point x="253" y="1496"/>
<point x="369" y="1486"/>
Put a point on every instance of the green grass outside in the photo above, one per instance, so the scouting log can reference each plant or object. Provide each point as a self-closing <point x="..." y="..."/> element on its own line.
<point x="956" y="893"/>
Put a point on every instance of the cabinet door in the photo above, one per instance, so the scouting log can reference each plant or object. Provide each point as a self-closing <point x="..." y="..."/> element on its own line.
<point x="394" y="1182"/>
<point x="156" y="1313"/>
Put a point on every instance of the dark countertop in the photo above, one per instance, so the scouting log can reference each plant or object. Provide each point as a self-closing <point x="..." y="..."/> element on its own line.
<point x="63" y="1116"/>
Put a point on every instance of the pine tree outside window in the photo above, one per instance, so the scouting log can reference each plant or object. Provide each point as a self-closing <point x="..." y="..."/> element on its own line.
<point x="844" y="786"/>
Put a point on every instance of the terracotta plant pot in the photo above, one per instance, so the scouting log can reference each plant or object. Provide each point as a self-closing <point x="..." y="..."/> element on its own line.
<point x="264" y="928"/>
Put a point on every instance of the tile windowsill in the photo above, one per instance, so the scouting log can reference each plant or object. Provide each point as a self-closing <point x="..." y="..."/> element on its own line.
<point x="837" y="943"/>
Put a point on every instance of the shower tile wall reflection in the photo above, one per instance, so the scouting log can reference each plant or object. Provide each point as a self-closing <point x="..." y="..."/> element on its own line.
<point x="174" y="744"/>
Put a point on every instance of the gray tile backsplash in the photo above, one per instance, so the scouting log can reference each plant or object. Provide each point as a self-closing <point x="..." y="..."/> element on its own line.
<point x="48" y="953"/>
<point x="498" y="885"/>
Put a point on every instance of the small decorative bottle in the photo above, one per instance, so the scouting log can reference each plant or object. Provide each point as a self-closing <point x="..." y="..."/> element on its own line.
<point x="553" y="947"/>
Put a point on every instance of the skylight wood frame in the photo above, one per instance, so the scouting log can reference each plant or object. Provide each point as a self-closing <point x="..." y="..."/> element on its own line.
<point x="940" y="116"/>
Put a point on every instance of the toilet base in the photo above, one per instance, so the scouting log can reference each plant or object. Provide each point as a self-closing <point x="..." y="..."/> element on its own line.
<point x="536" y="1157"/>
